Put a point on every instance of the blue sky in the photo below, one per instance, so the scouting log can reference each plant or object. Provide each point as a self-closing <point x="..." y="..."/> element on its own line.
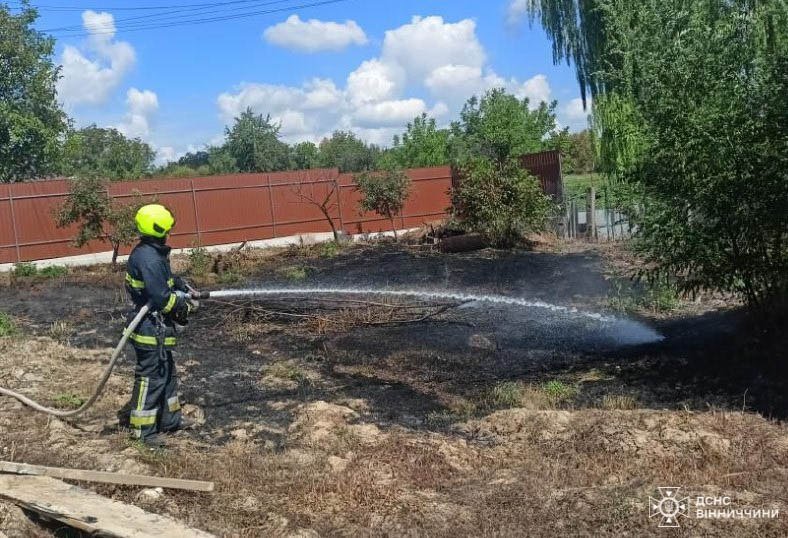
<point x="364" y="65"/>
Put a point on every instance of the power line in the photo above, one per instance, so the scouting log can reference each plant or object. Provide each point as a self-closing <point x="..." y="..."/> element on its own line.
<point x="43" y="7"/>
<point x="150" y="25"/>
<point x="174" y="14"/>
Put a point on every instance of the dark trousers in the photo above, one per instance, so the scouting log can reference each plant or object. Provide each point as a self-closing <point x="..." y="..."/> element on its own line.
<point x="154" y="400"/>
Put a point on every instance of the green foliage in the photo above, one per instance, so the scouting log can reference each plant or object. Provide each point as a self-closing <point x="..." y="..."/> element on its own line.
<point x="199" y="261"/>
<point x="304" y="156"/>
<point x="499" y="126"/>
<point x="253" y="142"/>
<point x="500" y="200"/>
<point x="385" y="193"/>
<point x="506" y="394"/>
<point x="23" y="269"/>
<point x="31" y="121"/>
<point x="657" y="296"/>
<point x="53" y="271"/>
<point x="106" y="153"/>
<point x="7" y="325"/>
<point x="578" y="153"/>
<point x="421" y="145"/>
<point x="558" y="391"/>
<point x="329" y="249"/>
<point x="295" y="273"/>
<point x="347" y="152"/>
<point x="97" y="216"/>
<point x="691" y="105"/>
<point x="230" y="277"/>
<point x="221" y="161"/>
<point x="69" y="400"/>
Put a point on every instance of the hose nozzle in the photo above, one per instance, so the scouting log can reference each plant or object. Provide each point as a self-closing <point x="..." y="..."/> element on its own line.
<point x="199" y="294"/>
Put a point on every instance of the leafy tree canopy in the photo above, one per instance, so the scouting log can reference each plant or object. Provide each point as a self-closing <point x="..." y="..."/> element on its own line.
<point x="31" y="121"/>
<point x="105" y="153"/>
<point x="253" y="142"/>
<point x="347" y="152"/>
<point x="500" y="126"/>
<point x="422" y="144"/>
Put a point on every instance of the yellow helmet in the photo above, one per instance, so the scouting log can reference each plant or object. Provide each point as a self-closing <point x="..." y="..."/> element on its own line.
<point x="154" y="220"/>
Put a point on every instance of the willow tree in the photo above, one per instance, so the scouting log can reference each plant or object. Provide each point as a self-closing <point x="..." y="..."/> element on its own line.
<point x="689" y="102"/>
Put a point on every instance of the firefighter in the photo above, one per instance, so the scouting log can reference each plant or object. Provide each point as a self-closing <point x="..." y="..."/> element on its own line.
<point x="154" y="407"/>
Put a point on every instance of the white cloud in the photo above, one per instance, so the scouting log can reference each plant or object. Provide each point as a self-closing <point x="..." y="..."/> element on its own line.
<point x="536" y="89"/>
<point x="142" y="106"/>
<point x="516" y="11"/>
<point x="166" y="154"/>
<point x="314" y="35"/>
<point x="91" y="74"/>
<point x="428" y="43"/>
<point x="444" y="58"/>
<point x="574" y="116"/>
<point x="389" y="113"/>
<point x="374" y="81"/>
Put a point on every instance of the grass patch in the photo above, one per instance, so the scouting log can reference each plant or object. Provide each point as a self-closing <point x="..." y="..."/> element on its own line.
<point x="548" y="395"/>
<point x="286" y="370"/>
<point x="294" y="273"/>
<point x="53" y="271"/>
<point x="619" y="401"/>
<point x="657" y="297"/>
<point x="69" y="400"/>
<point x="23" y="269"/>
<point x="7" y="325"/>
<point x="230" y="277"/>
<point x="61" y="331"/>
<point x="329" y="249"/>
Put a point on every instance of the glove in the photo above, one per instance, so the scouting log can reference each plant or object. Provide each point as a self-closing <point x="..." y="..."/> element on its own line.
<point x="180" y="314"/>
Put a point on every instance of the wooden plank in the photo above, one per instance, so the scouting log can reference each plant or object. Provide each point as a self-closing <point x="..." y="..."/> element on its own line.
<point x="88" y="511"/>
<point x="105" y="477"/>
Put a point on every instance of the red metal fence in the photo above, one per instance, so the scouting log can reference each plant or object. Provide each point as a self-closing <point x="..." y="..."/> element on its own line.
<point x="218" y="209"/>
<point x="241" y="207"/>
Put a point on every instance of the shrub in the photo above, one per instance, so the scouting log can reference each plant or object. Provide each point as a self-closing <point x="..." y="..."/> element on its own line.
<point x="199" y="261"/>
<point x="54" y="271"/>
<point x="7" y="326"/>
<point x="25" y="269"/>
<point x="384" y="194"/>
<point x="501" y="201"/>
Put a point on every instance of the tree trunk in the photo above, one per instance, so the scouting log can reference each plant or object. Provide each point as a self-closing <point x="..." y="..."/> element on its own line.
<point x="115" y="249"/>
<point x="331" y="223"/>
<point x="393" y="227"/>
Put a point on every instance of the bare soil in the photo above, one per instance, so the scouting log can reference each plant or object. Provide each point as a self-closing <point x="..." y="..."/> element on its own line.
<point x="336" y="418"/>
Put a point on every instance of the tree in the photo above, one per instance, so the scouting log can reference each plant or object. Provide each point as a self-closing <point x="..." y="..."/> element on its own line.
<point x="221" y="161"/>
<point x="324" y="196"/>
<point x="689" y="103"/>
<point x="502" y="201"/>
<point x="385" y="194"/>
<point x="578" y="151"/>
<point x="304" y="156"/>
<point x="500" y="126"/>
<point x="421" y="145"/>
<point x="253" y="142"/>
<point x="347" y="152"/>
<point x="106" y="153"/>
<point x="98" y="217"/>
<point x="31" y="121"/>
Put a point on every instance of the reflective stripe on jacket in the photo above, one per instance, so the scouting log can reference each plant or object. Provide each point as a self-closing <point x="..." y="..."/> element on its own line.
<point x="149" y="279"/>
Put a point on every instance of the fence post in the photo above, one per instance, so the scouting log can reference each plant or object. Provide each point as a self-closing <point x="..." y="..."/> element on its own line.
<point x="591" y="213"/>
<point x="271" y="201"/>
<point x="196" y="214"/>
<point x="13" y="224"/>
<point x="339" y="203"/>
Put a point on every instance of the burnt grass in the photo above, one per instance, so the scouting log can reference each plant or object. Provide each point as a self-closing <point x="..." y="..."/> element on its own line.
<point x="725" y="358"/>
<point x="255" y="362"/>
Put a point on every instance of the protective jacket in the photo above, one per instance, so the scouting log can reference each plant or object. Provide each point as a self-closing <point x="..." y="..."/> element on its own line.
<point x="149" y="279"/>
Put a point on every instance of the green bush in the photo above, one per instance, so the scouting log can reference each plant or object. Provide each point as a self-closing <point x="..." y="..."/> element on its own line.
<point x="500" y="200"/>
<point x="199" y="261"/>
<point x="329" y="249"/>
<point x="7" y="326"/>
<point x="384" y="194"/>
<point x="25" y="269"/>
<point x="53" y="271"/>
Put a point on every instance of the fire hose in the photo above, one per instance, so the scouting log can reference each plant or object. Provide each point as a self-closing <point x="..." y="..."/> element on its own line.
<point x="104" y="377"/>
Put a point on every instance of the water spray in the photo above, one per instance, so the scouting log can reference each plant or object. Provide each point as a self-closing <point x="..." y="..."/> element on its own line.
<point x="644" y="335"/>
